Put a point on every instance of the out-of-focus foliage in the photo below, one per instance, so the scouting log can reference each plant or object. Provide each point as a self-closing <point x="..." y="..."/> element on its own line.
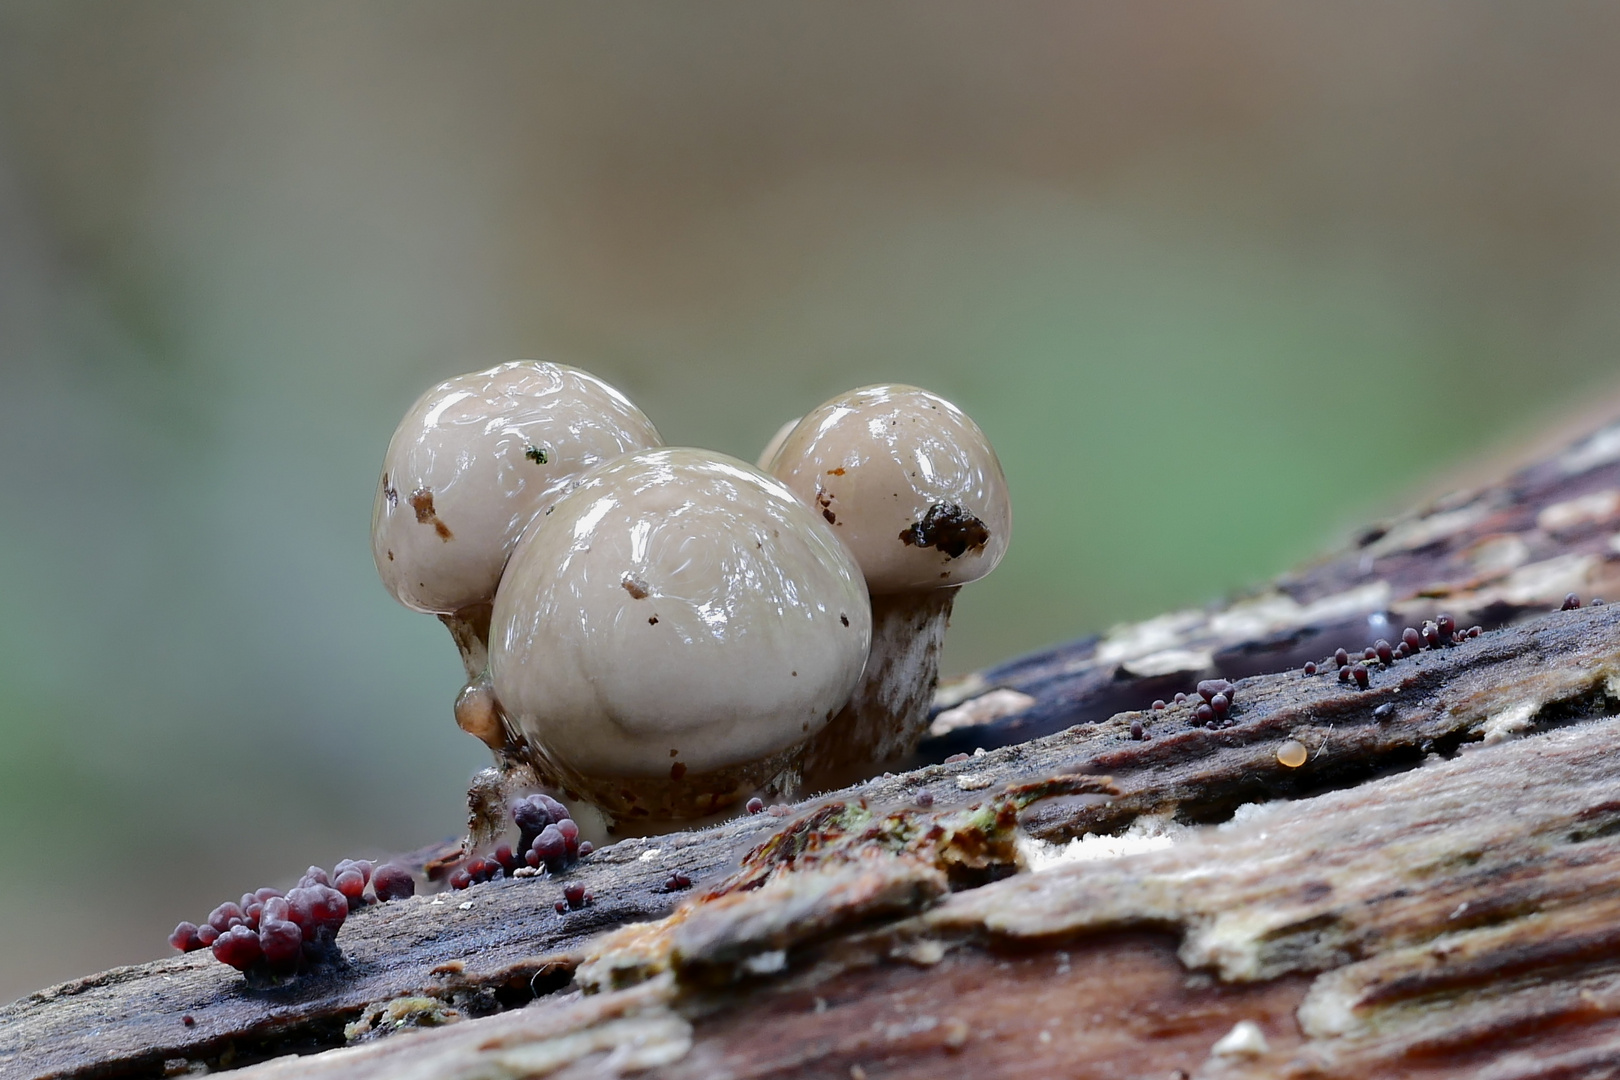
<point x="1218" y="281"/>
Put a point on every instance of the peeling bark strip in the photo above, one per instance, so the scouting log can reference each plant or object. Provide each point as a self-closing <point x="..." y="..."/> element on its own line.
<point x="866" y="931"/>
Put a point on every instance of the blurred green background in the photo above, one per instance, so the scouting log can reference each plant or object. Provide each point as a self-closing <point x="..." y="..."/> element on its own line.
<point x="1218" y="280"/>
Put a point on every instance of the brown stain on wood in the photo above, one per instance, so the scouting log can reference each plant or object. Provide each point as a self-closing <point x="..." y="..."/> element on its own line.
<point x="1121" y="1007"/>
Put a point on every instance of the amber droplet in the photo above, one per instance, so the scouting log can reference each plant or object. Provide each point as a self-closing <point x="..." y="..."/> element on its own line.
<point x="1292" y="754"/>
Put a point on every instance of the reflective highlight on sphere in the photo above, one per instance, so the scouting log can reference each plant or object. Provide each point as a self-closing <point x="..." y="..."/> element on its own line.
<point x="679" y="612"/>
<point x="907" y="481"/>
<point x="472" y="463"/>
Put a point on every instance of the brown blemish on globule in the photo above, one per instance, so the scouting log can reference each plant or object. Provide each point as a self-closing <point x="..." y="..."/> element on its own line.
<point x="652" y="620"/>
<point x="824" y="501"/>
<point x="422" y="503"/>
<point x="835" y="472"/>
<point x="390" y="556"/>
<point x="635" y="587"/>
<point x="949" y="528"/>
<point x="677" y="770"/>
<point x="843" y="618"/>
<point x="390" y="493"/>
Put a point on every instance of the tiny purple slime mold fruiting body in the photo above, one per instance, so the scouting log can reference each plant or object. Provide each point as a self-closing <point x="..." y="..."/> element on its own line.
<point x="393" y="882"/>
<point x="239" y="947"/>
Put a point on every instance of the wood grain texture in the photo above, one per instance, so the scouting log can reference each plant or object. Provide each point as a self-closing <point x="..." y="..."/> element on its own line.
<point x="1457" y="920"/>
<point x="1491" y="555"/>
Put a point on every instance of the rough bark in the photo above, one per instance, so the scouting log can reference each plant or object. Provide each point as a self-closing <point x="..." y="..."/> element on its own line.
<point x="1431" y="899"/>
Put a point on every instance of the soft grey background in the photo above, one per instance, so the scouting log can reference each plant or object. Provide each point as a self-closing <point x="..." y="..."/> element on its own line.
<point x="1219" y="280"/>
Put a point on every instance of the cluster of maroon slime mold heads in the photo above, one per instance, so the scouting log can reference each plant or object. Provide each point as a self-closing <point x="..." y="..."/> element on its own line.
<point x="1218" y="694"/>
<point x="277" y="934"/>
<point x="548" y="840"/>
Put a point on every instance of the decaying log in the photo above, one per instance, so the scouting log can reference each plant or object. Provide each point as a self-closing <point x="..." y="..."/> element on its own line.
<point x="1451" y="915"/>
<point x="1488" y="556"/>
<point x="1463" y="917"/>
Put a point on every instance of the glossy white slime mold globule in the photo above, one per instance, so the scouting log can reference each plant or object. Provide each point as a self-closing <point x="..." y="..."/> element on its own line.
<point x="470" y="465"/>
<point x="911" y="486"/>
<point x="673" y="633"/>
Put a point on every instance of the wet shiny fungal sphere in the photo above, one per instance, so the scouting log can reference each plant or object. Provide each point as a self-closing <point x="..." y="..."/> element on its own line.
<point x="908" y="482"/>
<point x="475" y="460"/>
<point x="1292" y="754"/>
<point x="679" y="615"/>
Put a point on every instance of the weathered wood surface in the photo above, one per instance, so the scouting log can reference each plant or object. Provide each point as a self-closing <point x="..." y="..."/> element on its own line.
<point x="1459" y="919"/>
<point x="1494" y="556"/>
<point x="1487" y="556"/>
